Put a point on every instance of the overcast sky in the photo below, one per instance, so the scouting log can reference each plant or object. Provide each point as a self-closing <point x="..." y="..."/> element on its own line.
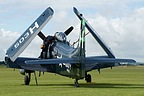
<point x="118" y="22"/>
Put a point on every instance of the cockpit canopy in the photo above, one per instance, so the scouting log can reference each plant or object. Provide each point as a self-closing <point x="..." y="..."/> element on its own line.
<point x="61" y="36"/>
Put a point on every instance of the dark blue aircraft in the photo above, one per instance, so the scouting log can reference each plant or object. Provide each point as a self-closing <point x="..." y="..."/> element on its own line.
<point x="58" y="55"/>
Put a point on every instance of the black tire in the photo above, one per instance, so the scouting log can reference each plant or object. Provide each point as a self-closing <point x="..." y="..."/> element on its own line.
<point x="88" y="78"/>
<point x="76" y="83"/>
<point x="26" y="80"/>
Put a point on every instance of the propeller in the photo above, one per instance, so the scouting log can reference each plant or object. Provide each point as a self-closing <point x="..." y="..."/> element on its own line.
<point x="41" y="35"/>
<point x="67" y="32"/>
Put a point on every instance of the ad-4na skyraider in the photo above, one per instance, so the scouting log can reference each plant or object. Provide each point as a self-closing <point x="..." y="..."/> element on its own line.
<point x="58" y="55"/>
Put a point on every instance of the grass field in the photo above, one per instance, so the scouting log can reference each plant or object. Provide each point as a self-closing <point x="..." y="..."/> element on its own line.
<point x="120" y="81"/>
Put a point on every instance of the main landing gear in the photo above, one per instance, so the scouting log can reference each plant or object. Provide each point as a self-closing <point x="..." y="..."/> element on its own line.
<point x="76" y="83"/>
<point x="87" y="79"/>
<point x="27" y="78"/>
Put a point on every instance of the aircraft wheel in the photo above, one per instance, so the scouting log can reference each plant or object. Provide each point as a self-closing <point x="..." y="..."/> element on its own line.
<point x="26" y="80"/>
<point x="76" y="83"/>
<point x="88" y="78"/>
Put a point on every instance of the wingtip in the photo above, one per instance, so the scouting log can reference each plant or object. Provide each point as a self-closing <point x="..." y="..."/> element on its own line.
<point x="74" y="9"/>
<point x="50" y="8"/>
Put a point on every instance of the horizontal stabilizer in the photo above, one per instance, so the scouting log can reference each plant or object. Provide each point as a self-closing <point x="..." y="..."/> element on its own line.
<point x="53" y="61"/>
<point x="25" y="39"/>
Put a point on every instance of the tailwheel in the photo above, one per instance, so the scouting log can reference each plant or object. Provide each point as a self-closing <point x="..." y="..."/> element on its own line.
<point x="76" y="83"/>
<point x="88" y="78"/>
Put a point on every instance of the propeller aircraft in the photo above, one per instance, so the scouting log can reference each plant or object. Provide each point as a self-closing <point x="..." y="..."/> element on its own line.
<point x="58" y="55"/>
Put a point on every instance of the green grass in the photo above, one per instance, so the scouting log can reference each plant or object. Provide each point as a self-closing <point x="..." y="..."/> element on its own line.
<point x="120" y="81"/>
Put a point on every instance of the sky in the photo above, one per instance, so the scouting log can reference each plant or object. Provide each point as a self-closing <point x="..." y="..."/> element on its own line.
<point x="118" y="22"/>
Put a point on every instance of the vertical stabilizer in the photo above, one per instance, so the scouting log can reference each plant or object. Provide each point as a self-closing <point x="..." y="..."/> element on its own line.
<point x="82" y="39"/>
<point x="82" y="49"/>
<point x="25" y="39"/>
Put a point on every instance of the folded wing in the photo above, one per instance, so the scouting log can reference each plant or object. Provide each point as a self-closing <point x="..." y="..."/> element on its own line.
<point x="25" y="39"/>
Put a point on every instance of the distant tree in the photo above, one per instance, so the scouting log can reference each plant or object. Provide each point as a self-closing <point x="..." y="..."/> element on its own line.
<point x="1" y="62"/>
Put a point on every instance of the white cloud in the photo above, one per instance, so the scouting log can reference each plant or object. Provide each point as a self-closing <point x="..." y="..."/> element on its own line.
<point x="7" y="38"/>
<point x="117" y="21"/>
<point x="124" y="35"/>
<point x="64" y="4"/>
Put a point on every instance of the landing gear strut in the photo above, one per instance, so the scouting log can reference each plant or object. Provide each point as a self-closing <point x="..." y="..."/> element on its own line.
<point x="35" y="78"/>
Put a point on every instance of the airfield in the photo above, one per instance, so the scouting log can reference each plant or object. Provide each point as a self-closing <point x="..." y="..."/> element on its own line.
<point x="119" y="81"/>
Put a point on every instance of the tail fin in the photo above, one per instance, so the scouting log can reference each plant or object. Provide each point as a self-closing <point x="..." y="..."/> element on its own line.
<point x="82" y="50"/>
<point x="82" y="40"/>
<point x="25" y="39"/>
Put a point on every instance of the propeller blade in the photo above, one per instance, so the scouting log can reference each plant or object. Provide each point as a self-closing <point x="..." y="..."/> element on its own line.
<point x="69" y="30"/>
<point x="41" y="35"/>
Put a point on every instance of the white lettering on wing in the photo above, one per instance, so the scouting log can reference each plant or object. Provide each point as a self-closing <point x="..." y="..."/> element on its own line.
<point x="26" y="35"/>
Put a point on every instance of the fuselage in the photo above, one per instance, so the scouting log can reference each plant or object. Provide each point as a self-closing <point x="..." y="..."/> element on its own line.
<point x="65" y="50"/>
